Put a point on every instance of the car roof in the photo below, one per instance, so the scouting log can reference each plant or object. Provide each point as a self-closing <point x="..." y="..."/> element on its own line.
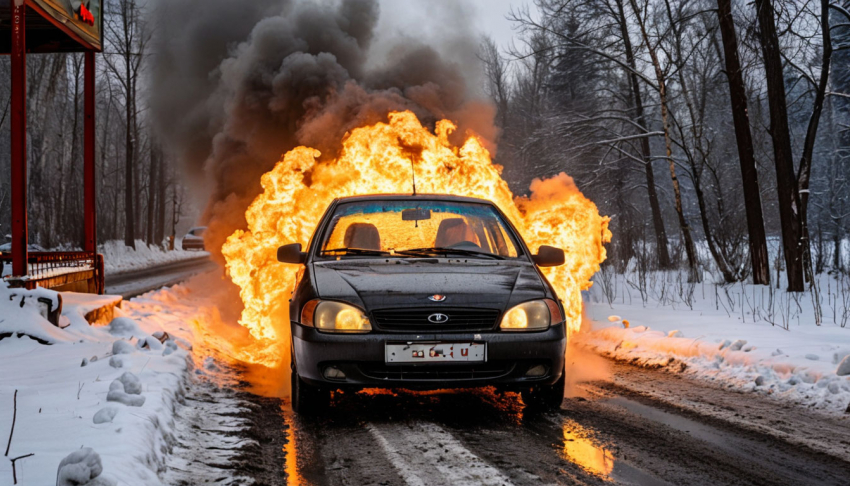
<point x="410" y="197"/>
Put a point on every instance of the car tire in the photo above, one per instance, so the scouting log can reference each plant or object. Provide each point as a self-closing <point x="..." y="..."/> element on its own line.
<point x="306" y="399"/>
<point x="545" y="397"/>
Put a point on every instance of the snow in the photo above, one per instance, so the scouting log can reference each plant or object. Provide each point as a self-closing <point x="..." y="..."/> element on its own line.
<point x="82" y="467"/>
<point x="843" y="367"/>
<point x="105" y="414"/>
<point x="118" y="258"/>
<point x="122" y="347"/>
<point x="727" y="334"/>
<point x="22" y="312"/>
<point x="78" y="420"/>
<point x="85" y="303"/>
<point x="121" y="393"/>
<point x="123" y="327"/>
<point x="132" y="410"/>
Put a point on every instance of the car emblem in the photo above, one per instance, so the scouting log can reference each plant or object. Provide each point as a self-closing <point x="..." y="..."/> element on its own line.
<point x="438" y="318"/>
<point x="437" y="298"/>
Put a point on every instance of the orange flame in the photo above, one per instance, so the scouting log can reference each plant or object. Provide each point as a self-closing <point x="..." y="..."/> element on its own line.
<point x="377" y="159"/>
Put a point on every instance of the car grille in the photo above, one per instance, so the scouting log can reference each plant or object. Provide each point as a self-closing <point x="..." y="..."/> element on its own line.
<point x="416" y="319"/>
<point x="478" y="371"/>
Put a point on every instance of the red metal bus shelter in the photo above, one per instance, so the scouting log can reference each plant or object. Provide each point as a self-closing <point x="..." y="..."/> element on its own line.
<point x="45" y="26"/>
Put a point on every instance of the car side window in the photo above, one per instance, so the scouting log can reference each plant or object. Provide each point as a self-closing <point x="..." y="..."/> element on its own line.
<point x="496" y="232"/>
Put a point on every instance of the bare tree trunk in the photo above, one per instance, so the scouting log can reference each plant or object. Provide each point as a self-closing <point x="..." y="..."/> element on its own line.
<point x="719" y="259"/>
<point x="137" y="186"/>
<point x="151" y="194"/>
<point x="661" y="250"/>
<point x="746" y="155"/>
<point x="160" y="200"/>
<point x="176" y="210"/>
<point x="698" y="165"/>
<point x="690" y="248"/>
<point x="786" y="184"/>
<point x="805" y="170"/>
<point x="129" y="213"/>
<point x="127" y="36"/>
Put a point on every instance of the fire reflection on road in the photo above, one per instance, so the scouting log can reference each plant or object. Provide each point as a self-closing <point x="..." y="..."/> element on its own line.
<point x="290" y="451"/>
<point x="583" y="451"/>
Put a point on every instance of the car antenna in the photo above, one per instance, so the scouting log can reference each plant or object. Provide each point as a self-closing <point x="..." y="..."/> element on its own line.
<point x="413" y="173"/>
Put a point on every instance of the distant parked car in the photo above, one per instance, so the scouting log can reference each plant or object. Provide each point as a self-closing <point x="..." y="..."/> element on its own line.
<point x="194" y="239"/>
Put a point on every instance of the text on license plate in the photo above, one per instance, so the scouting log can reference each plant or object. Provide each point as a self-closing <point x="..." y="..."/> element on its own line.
<point x="435" y="352"/>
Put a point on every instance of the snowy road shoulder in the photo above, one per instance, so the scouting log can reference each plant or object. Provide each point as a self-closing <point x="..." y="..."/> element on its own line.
<point x="804" y="364"/>
<point x="113" y="389"/>
<point x="119" y="258"/>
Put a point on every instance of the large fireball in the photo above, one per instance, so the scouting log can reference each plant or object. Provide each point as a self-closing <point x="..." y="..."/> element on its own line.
<point x="379" y="159"/>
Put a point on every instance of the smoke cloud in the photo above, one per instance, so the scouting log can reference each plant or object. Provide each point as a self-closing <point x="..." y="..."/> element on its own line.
<point x="237" y="84"/>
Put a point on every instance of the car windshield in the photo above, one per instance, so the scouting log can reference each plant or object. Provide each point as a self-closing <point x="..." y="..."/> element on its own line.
<point x="417" y="228"/>
<point x="197" y="231"/>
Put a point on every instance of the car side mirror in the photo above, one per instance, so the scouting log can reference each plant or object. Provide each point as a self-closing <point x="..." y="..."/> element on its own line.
<point x="549" y="256"/>
<point x="291" y="253"/>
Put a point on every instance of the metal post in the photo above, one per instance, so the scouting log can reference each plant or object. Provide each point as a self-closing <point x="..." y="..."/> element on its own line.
<point x="19" y="140"/>
<point x="90" y="206"/>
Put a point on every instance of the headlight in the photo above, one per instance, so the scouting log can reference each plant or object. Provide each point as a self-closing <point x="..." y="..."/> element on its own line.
<point x="534" y="315"/>
<point x="332" y="316"/>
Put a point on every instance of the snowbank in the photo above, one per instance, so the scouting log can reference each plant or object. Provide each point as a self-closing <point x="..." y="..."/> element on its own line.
<point x="118" y="258"/>
<point x="64" y="380"/>
<point x="727" y="340"/>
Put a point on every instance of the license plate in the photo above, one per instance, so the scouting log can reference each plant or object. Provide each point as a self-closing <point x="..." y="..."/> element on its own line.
<point x="436" y="352"/>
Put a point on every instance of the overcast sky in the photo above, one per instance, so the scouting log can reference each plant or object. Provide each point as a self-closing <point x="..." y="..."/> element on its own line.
<point x="484" y="16"/>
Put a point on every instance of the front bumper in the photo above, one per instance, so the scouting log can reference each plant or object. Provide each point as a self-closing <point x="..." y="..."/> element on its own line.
<point x="361" y="357"/>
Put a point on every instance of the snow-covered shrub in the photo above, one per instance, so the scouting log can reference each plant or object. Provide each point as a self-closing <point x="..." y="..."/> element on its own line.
<point x="81" y="468"/>
<point x="121" y="347"/>
<point x="123" y="327"/>
<point x="105" y="414"/>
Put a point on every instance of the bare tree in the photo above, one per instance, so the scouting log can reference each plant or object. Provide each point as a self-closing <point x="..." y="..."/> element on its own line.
<point x="746" y="155"/>
<point x="786" y="184"/>
<point x="655" y="208"/>
<point x="127" y="39"/>
<point x="496" y="72"/>
<point x="661" y="80"/>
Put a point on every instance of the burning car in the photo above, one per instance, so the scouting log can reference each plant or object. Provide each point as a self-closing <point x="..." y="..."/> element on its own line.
<point x="423" y="291"/>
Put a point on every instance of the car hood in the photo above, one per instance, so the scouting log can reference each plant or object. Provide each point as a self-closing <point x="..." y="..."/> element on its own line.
<point x="408" y="283"/>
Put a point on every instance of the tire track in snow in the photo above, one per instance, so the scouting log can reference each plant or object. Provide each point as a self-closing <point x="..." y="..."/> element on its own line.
<point x="424" y="453"/>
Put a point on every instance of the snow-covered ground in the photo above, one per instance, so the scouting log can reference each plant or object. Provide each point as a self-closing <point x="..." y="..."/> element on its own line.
<point x="112" y="389"/>
<point x="107" y="398"/>
<point x="750" y="338"/>
<point x="118" y="258"/>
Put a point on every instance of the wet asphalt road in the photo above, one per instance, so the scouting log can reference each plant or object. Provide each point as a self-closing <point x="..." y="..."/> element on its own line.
<point x="637" y="426"/>
<point x="621" y="431"/>
<point x="137" y="282"/>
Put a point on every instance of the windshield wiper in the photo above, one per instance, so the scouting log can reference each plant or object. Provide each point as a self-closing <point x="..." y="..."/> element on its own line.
<point x="445" y="251"/>
<point x="355" y="251"/>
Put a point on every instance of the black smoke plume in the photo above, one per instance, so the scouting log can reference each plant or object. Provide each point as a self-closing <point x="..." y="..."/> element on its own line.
<point x="236" y="84"/>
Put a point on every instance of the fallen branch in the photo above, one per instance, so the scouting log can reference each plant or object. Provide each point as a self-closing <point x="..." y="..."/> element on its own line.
<point x="143" y="367"/>
<point x="14" y="472"/>
<point x="14" y="416"/>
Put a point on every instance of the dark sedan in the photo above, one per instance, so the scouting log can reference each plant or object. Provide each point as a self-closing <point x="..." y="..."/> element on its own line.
<point x="426" y="291"/>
